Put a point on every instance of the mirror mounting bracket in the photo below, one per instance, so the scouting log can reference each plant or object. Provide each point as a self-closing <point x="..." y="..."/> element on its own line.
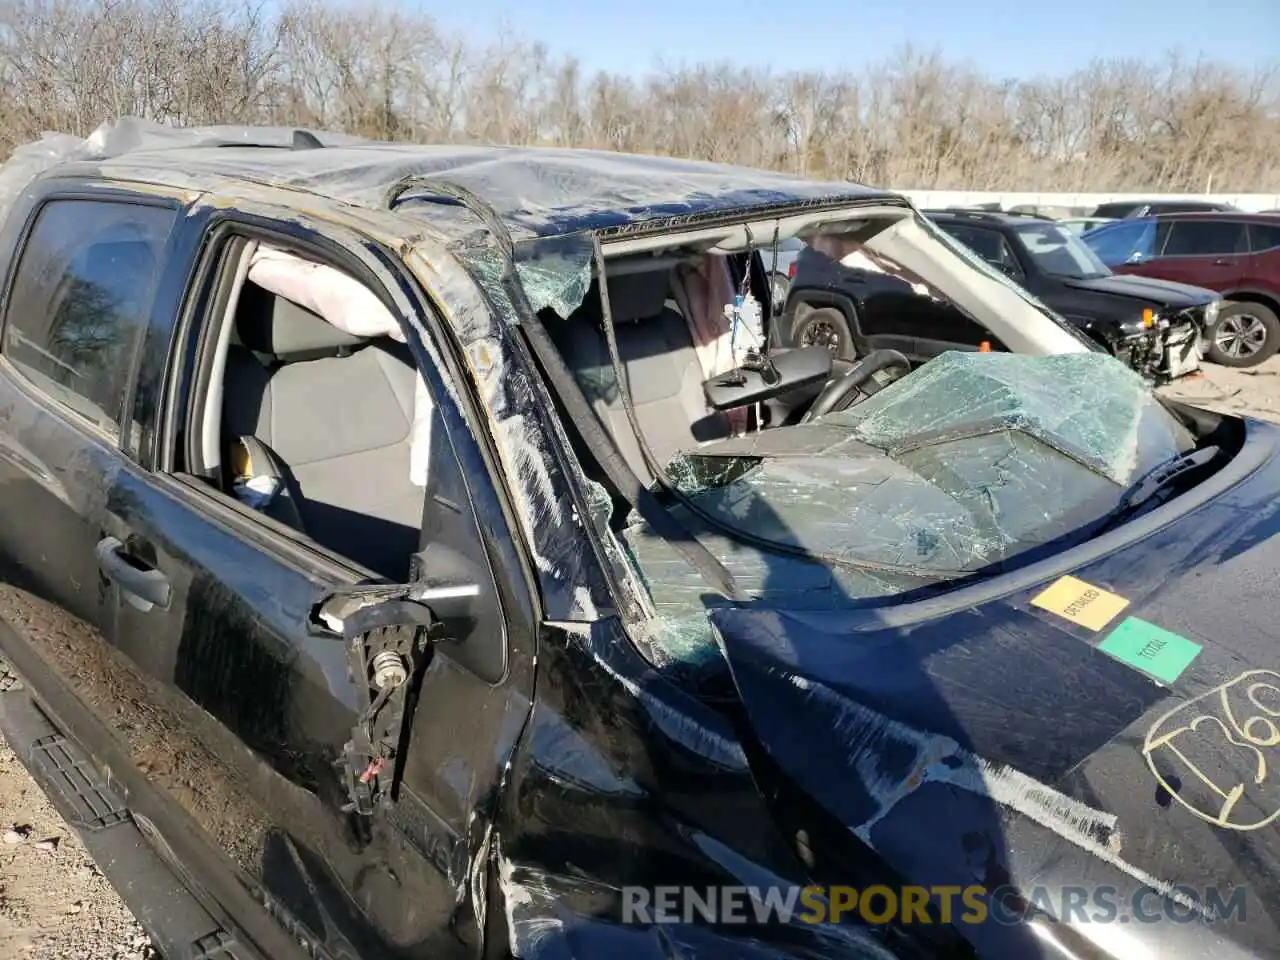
<point x="390" y="633"/>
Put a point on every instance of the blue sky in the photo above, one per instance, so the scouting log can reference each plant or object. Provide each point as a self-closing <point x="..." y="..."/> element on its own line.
<point x="1007" y="38"/>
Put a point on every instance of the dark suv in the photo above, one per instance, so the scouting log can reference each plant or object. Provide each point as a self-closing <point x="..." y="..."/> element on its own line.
<point x="1237" y="254"/>
<point x="1152" y="326"/>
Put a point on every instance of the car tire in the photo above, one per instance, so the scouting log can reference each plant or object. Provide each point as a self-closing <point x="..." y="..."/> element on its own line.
<point x="1244" y="335"/>
<point x="825" y="325"/>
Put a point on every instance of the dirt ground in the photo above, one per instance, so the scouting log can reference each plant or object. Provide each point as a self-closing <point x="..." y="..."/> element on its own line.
<point x="1254" y="392"/>
<point x="54" y="904"/>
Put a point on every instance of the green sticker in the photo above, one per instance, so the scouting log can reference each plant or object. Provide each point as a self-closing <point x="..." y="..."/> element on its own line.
<point x="1151" y="649"/>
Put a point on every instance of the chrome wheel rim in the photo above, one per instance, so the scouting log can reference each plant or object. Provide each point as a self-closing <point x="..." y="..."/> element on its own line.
<point x="778" y="292"/>
<point x="1240" y="335"/>
<point x="821" y="333"/>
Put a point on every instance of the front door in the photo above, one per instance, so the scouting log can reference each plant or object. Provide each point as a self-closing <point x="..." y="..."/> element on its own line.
<point x="244" y="710"/>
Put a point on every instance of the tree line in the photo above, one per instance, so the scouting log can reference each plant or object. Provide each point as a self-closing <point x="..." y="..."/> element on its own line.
<point x="914" y="120"/>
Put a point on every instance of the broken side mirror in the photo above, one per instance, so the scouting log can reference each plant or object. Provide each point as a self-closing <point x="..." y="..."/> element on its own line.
<point x="390" y="632"/>
<point x="364" y="608"/>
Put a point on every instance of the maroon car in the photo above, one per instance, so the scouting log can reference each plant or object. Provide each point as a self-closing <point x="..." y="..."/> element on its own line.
<point x="1237" y="254"/>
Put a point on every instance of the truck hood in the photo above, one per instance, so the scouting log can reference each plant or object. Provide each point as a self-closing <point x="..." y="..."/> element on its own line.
<point x="979" y="738"/>
<point x="1147" y="289"/>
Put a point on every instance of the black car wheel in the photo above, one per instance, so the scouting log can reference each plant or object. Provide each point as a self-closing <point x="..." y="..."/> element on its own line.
<point x="1244" y="335"/>
<point x="825" y="326"/>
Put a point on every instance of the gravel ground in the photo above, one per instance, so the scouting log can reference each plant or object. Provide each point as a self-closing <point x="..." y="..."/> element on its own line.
<point x="54" y="904"/>
<point x="1254" y="392"/>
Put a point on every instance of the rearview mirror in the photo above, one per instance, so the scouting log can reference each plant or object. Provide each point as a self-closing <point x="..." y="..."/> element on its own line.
<point x="765" y="376"/>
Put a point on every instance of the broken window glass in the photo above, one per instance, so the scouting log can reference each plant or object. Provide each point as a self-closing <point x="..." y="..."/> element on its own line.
<point x="555" y="272"/>
<point x="969" y="461"/>
<point x="1086" y="405"/>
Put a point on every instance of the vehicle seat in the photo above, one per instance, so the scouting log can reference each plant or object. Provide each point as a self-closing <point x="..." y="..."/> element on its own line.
<point x="662" y="367"/>
<point x="337" y="411"/>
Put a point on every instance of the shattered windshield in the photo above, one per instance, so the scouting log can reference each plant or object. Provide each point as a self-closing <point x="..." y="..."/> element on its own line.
<point x="967" y="462"/>
<point x="970" y="461"/>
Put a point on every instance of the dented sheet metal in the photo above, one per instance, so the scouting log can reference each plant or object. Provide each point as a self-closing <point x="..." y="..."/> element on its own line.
<point x="948" y="750"/>
<point x="970" y="461"/>
<point x="130" y="135"/>
<point x="536" y="191"/>
<point x="474" y="302"/>
<point x="623" y="781"/>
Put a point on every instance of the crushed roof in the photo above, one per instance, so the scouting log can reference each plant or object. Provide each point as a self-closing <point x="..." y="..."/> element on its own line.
<point x="536" y="191"/>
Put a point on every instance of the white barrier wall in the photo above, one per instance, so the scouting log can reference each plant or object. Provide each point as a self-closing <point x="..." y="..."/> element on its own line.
<point x="953" y="198"/>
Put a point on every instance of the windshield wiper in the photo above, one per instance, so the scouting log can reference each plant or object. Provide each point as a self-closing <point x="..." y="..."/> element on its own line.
<point x="1153" y="482"/>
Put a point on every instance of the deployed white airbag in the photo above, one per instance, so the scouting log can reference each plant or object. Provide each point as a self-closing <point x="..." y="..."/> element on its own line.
<point x="353" y="308"/>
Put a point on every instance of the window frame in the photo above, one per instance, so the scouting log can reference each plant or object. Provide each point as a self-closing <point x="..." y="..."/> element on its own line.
<point x="25" y="223"/>
<point x="211" y="230"/>
<point x="1011" y="254"/>
<point x="189" y="351"/>
<point x="1255" y="229"/>
<point x="1172" y="224"/>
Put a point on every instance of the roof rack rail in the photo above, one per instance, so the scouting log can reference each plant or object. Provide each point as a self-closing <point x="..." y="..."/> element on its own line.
<point x="979" y="214"/>
<point x="302" y="140"/>
<point x="966" y="212"/>
<point x="306" y="140"/>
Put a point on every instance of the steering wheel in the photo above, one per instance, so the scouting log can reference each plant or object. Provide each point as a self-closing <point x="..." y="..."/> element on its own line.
<point x="848" y="389"/>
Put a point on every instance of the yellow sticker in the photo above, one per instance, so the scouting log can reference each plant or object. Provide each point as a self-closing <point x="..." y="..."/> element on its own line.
<point x="1080" y="602"/>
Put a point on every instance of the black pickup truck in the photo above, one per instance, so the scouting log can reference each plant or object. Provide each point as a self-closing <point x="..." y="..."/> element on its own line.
<point x="405" y="554"/>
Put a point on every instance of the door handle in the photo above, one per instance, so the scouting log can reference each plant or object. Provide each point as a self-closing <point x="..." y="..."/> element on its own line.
<point x="1224" y="262"/>
<point x="143" y="587"/>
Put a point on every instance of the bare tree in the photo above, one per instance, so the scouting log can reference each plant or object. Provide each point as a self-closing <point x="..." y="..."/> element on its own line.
<point x="385" y="70"/>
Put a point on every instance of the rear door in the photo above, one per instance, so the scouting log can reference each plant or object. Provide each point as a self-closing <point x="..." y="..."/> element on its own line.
<point x="77" y="308"/>
<point x="92" y="278"/>
<point x="1262" y="266"/>
<point x="1202" y="252"/>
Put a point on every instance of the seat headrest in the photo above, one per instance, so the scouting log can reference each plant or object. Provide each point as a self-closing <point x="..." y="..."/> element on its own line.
<point x="638" y="296"/>
<point x="273" y="325"/>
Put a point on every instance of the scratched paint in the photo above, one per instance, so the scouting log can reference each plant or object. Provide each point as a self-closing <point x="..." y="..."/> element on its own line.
<point x="870" y="735"/>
